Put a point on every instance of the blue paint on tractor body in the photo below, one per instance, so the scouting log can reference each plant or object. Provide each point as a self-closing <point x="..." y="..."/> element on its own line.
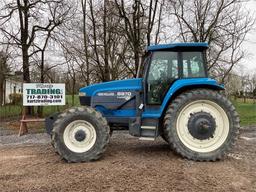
<point x="112" y="86"/>
<point x="176" y="45"/>
<point x="136" y="84"/>
<point x="127" y="84"/>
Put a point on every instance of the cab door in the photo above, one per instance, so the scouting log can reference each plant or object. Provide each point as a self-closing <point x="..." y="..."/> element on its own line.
<point x="163" y="70"/>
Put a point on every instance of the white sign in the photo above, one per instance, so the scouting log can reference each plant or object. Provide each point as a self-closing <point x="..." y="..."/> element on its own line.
<point x="40" y="94"/>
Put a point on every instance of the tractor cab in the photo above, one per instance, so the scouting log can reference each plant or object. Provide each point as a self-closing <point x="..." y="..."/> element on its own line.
<point x="164" y="64"/>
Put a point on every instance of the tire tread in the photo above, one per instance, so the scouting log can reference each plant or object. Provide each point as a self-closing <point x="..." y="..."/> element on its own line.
<point x="72" y="157"/>
<point x="169" y="124"/>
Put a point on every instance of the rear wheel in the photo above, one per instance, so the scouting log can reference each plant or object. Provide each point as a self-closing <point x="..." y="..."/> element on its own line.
<point x="201" y="125"/>
<point x="80" y="134"/>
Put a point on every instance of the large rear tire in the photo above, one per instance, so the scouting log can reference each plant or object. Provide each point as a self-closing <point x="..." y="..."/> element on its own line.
<point x="80" y="134"/>
<point x="201" y="125"/>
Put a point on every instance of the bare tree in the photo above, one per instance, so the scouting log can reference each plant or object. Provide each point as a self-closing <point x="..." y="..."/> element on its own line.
<point x="35" y="19"/>
<point x="133" y="18"/>
<point x="4" y="70"/>
<point x="141" y="24"/>
<point x="159" y="21"/>
<point x="72" y="75"/>
<point x="223" y="24"/>
<point x="102" y="51"/>
<point x="153" y="4"/>
<point x="85" y="43"/>
<point x="233" y="85"/>
<point x="252" y="86"/>
<point x="33" y="27"/>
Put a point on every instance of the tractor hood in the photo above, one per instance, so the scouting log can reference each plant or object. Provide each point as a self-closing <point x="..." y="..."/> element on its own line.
<point x="127" y="84"/>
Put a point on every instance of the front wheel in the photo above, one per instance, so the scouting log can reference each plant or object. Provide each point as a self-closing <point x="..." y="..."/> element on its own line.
<point x="80" y="134"/>
<point x="201" y="125"/>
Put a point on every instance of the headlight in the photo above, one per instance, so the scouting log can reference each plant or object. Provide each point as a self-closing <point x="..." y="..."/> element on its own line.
<point x="82" y="94"/>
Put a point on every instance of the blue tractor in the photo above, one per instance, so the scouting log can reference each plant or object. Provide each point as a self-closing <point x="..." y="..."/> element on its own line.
<point x="172" y="98"/>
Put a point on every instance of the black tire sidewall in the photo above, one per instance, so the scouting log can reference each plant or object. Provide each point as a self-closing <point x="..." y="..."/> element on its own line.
<point x="183" y="101"/>
<point x="101" y="132"/>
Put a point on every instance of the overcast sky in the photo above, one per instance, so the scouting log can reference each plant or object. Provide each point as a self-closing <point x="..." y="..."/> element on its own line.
<point x="250" y="45"/>
<point x="248" y="64"/>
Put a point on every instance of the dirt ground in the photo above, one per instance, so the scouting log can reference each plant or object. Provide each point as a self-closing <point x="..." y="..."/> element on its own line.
<point x="128" y="165"/>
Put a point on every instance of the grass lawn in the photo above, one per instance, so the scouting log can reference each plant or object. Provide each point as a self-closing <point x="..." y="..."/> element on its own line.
<point x="9" y="111"/>
<point x="12" y="111"/>
<point x="247" y="111"/>
<point x="52" y="109"/>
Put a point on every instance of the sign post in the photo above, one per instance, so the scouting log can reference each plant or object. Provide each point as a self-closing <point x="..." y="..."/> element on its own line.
<point x="40" y="94"/>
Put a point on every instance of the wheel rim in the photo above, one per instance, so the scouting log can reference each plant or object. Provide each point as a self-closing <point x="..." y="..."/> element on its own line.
<point x="79" y="136"/>
<point x="221" y="128"/>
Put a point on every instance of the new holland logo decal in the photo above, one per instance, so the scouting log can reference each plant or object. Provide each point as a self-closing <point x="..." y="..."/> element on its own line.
<point x="119" y="95"/>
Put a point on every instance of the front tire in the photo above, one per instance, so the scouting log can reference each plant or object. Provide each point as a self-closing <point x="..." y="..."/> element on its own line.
<point x="201" y="125"/>
<point x="80" y="134"/>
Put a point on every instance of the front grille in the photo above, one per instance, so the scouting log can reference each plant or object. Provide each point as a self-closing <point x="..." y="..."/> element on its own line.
<point x="85" y="100"/>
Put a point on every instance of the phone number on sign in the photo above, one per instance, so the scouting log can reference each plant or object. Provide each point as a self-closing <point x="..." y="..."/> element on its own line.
<point x="44" y="96"/>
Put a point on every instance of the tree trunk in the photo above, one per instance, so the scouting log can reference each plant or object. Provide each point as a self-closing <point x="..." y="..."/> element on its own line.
<point x="40" y="108"/>
<point x="24" y="36"/>
<point x="83" y="3"/>
<point x="106" y="75"/>
<point x="2" y="92"/>
<point x="136" y="61"/>
<point x="94" y="39"/>
<point x="2" y="82"/>
<point x="26" y="74"/>
<point x="25" y="57"/>
<point x="73" y="90"/>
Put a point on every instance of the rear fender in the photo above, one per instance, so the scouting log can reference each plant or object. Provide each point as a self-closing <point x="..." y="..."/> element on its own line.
<point x="187" y="84"/>
<point x="177" y="88"/>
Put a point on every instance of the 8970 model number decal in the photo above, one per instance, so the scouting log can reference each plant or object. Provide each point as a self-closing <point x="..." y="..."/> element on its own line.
<point x="124" y="95"/>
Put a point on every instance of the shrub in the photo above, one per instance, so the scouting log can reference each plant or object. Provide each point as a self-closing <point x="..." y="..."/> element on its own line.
<point x="15" y="98"/>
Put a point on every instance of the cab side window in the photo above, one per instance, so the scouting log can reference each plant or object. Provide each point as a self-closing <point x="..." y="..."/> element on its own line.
<point x="193" y="65"/>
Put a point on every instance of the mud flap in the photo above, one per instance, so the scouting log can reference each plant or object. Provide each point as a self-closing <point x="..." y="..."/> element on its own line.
<point x="134" y="126"/>
<point x="49" y="121"/>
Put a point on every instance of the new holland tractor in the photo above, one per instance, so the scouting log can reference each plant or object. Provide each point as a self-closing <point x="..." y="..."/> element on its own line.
<point x="173" y="97"/>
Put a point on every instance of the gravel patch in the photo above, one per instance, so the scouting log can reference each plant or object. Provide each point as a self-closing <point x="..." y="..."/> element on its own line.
<point x="10" y="137"/>
<point x="38" y="138"/>
<point x="43" y="138"/>
<point x="6" y="131"/>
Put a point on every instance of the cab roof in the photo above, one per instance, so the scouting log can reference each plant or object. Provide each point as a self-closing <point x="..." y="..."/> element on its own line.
<point x="194" y="45"/>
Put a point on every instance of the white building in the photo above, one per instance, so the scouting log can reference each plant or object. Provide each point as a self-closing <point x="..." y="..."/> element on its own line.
<point x="11" y="85"/>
